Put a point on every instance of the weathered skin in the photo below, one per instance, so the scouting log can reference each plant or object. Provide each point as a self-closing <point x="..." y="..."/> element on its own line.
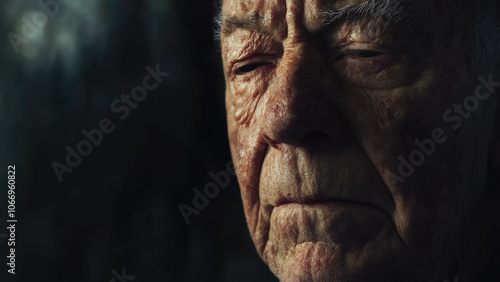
<point x="315" y="142"/>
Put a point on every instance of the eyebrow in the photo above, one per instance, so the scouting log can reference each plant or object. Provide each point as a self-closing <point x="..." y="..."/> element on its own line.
<point x="253" y="22"/>
<point x="387" y="11"/>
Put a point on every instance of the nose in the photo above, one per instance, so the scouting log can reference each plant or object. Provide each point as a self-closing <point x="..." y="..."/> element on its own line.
<point x="301" y="109"/>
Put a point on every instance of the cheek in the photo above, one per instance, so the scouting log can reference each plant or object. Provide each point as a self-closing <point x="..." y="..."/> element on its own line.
<point x="410" y="110"/>
<point x="244" y="135"/>
<point x="245" y="93"/>
<point x="245" y="98"/>
<point x="387" y="125"/>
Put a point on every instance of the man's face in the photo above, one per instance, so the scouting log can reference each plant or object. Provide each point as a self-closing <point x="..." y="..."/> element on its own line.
<point x="321" y="112"/>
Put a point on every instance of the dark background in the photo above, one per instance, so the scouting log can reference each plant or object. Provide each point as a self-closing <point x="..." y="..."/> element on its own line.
<point x="119" y="207"/>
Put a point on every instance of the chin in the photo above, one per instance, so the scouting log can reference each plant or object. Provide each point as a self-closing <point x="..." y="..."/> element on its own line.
<point x="310" y="261"/>
<point x="324" y="261"/>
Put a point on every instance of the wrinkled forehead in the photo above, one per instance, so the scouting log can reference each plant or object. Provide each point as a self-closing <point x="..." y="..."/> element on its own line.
<point x="263" y="7"/>
<point x="274" y="12"/>
<point x="428" y="14"/>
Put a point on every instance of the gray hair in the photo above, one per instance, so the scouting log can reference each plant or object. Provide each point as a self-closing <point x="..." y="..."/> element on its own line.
<point x="218" y="20"/>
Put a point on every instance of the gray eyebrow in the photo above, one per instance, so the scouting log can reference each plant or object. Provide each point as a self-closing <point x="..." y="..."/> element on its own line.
<point x="253" y="22"/>
<point x="384" y="10"/>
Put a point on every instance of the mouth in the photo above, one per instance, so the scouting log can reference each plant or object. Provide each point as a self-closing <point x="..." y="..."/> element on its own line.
<point x="333" y="211"/>
<point x="330" y="176"/>
<point x="321" y="202"/>
<point x="332" y="208"/>
<point x="295" y="189"/>
<point x="335" y="222"/>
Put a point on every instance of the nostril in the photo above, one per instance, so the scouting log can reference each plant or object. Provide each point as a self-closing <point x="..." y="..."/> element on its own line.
<point x="315" y="137"/>
<point x="271" y="142"/>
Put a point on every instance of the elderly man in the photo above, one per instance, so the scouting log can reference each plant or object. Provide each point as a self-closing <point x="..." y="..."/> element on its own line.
<point x="364" y="135"/>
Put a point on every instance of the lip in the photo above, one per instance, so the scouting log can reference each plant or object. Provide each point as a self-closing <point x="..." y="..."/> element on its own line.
<point x="305" y="201"/>
<point x="323" y="198"/>
<point x="324" y="175"/>
<point x="329" y="202"/>
<point x="345" y="223"/>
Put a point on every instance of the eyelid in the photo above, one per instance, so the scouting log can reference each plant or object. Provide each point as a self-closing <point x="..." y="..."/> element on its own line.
<point x="258" y="58"/>
<point x="365" y="46"/>
<point x="251" y="67"/>
<point x="348" y="49"/>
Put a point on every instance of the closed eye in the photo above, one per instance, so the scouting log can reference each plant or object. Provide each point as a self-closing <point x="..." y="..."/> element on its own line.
<point x="356" y="54"/>
<point x="252" y="66"/>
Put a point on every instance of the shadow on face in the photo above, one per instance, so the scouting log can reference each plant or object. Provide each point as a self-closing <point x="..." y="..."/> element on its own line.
<point x="361" y="136"/>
